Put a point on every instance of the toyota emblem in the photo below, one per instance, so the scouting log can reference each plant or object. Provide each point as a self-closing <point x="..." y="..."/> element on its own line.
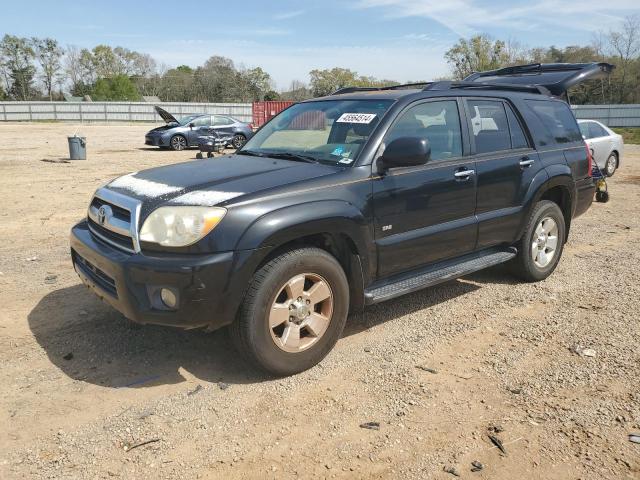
<point x="104" y="213"/>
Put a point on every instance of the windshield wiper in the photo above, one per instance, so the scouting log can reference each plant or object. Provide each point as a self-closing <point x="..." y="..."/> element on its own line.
<point x="294" y="156"/>
<point x="251" y="153"/>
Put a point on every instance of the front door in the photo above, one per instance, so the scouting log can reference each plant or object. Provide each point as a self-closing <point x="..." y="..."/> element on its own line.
<point x="425" y="214"/>
<point x="199" y="127"/>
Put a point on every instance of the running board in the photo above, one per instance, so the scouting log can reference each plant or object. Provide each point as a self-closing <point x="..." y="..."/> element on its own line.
<point x="437" y="273"/>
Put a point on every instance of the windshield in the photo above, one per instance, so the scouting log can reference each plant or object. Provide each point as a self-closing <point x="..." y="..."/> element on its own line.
<point x="327" y="131"/>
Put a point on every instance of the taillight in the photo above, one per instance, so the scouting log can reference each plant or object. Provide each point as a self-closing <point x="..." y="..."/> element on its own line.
<point x="251" y="126"/>
<point x="589" y="158"/>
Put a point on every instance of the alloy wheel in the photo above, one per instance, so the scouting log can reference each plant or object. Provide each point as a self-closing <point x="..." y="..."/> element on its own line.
<point x="178" y="143"/>
<point x="545" y="242"/>
<point x="301" y="312"/>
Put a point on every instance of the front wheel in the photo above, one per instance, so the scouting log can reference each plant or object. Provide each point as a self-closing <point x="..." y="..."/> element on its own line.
<point x="541" y="245"/>
<point x="178" y="142"/>
<point x="238" y="140"/>
<point x="293" y="312"/>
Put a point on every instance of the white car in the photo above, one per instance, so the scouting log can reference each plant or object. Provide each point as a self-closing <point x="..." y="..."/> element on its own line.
<point x="605" y="144"/>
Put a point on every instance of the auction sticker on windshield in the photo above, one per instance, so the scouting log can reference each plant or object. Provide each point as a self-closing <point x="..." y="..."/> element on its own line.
<point x="356" y="117"/>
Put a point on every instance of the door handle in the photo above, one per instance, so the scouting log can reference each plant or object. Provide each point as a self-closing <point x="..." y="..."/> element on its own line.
<point x="526" y="162"/>
<point x="463" y="174"/>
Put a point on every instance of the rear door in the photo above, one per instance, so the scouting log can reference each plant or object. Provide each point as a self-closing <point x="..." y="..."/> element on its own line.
<point x="599" y="142"/>
<point x="425" y="214"/>
<point x="223" y="124"/>
<point x="506" y="164"/>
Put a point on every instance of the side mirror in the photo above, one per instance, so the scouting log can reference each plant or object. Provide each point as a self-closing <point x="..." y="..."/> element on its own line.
<point x="405" y="152"/>
<point x="191" y="125"/>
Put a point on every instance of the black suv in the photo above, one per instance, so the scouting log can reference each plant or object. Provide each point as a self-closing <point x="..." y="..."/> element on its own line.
<point x="345" y="201"/>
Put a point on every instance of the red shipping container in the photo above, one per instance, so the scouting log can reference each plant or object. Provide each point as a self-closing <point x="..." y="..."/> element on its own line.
<point x="264" y="111"/>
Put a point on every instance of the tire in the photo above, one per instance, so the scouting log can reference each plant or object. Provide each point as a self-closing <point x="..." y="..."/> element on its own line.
<point x="238" y="140"/>
<point x="611" y="166"/>
<point x="178" y="143"/>
<point x="273" y="347"/>
<point x="537" y="238"/>
<point x="602" y="197"/>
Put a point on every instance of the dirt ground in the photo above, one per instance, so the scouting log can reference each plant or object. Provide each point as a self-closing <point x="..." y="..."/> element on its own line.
<point x="439" y="370"/>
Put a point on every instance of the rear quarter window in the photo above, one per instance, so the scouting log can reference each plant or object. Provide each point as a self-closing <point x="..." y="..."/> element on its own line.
<point x="558" y="119"/>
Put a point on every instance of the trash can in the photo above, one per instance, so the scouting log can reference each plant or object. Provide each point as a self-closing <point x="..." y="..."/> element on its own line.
<point x="77" y="148"/>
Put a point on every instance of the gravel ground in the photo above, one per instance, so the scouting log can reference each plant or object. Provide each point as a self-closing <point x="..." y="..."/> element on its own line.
<point x="551" y="370"/>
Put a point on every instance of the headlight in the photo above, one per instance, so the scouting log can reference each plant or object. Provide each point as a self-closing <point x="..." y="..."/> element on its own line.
<point x="180" y="226"/>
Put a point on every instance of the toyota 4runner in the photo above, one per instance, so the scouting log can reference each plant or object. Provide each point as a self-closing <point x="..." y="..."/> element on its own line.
<point x="345" y="201"/>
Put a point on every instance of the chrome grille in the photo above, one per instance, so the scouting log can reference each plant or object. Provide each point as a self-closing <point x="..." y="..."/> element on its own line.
<point x="113" y="218"/>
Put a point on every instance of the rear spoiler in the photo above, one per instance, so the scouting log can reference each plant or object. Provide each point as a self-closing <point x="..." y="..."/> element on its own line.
<point x="557" y="78"/>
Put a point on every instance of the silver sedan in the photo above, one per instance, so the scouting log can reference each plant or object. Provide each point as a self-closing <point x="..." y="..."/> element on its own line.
<point x="605" y="144"/>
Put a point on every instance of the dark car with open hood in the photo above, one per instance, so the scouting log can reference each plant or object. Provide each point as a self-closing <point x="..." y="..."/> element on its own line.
<point x="186" y="131"/>
<point x="342" y="202"/>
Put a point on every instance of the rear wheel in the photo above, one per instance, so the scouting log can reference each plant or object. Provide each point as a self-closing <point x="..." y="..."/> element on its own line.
<point x="541" y="245"/>
<point x="611" y="166"/>
<point x="293" y="312"/>
<point x="178" y="142"/>
<point x="238" y="140"/>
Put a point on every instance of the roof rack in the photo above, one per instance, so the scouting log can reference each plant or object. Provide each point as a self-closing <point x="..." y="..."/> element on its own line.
<point x="340" y="91"/>
<point x="449" y="85"/>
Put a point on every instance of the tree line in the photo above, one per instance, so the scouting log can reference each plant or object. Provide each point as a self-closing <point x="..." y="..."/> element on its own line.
<point x="41" y="69"/>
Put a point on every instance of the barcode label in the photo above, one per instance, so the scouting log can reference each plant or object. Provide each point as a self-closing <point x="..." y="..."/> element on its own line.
<point x="356" y="117"/>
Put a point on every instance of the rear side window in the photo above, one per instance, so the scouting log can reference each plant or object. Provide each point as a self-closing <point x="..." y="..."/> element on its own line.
<point x="597" y="131"/>
<point x="558" y="120"/>
<point x="489" y="125"/>
<point x="518" y="138"/>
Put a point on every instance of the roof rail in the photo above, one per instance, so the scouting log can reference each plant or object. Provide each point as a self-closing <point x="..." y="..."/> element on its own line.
<point x="340" y="91"/>
<point x="449" y="85"/>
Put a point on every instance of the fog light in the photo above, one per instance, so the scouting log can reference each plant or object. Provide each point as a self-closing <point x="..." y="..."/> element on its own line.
<point x="168" y="298"/>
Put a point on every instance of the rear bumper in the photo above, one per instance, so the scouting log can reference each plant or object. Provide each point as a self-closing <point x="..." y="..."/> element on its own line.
<point x="131" y="283"/>
<point x="585" y="190"/>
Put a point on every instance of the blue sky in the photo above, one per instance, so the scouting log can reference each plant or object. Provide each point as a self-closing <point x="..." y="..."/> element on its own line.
<point x="397" y="39"/>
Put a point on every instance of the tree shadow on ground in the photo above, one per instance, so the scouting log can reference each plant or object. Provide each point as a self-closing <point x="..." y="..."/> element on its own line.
<point x="91" y="342"/>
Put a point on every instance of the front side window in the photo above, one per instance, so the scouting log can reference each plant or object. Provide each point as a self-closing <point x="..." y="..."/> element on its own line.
<point x="202" y="121"/>
<point x="557" y="119"/>
<point x="489" y="125"/>
<point x="584" y="129"/>
<point x="438" y="122"/>
<point x="327" y="131"/>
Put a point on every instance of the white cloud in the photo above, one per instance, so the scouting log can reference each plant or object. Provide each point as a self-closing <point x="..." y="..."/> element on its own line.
<point x="288" y="15"/>
<point x="466" y="17"/>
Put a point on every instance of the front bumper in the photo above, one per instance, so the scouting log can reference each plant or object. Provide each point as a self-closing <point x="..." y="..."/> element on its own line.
<point x="131" y="282"/>
<point x="154" y="141"/>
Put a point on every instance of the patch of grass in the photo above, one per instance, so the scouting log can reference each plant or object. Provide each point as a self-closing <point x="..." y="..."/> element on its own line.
<point x="629" y="134"/>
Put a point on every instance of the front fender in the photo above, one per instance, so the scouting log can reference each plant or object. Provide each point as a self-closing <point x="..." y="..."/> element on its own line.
<point x="290" y="223"/>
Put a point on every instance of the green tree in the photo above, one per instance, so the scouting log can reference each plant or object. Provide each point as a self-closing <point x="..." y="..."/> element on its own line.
<point x="476" y="54"/>
<point x="325" y="82"/>
<point x="49" y="54"/>
<point x="116" y="88"/>
<point x="16" y="61"/>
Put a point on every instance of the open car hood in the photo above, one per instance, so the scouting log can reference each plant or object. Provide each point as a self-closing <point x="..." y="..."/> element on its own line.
<point x="555" y="77"/>
<point x="166" y="116"/>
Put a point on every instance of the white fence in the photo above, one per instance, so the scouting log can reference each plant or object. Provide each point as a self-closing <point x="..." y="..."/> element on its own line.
<point x="114" y="111"/>
<point x="610" y="115"/>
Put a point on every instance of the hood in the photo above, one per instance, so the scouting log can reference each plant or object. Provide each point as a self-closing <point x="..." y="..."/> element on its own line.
<point x="166" y="116"/>
<point x="214" y="181"/>
<point x="557" y="78"/>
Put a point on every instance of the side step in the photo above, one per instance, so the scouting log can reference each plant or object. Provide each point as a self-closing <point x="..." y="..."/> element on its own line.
<point x="437" y="273"/>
